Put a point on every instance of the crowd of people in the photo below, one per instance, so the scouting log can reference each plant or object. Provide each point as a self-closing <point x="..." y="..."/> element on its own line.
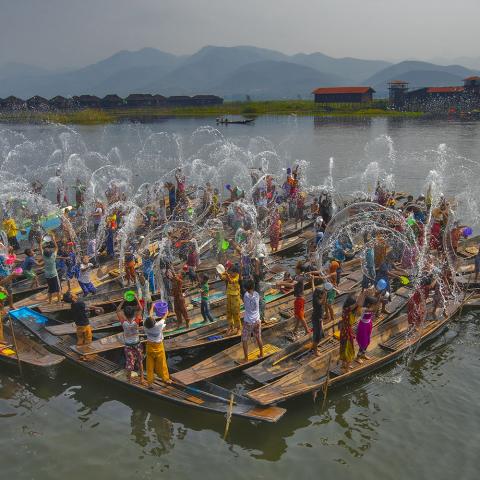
<point x="92" y="232"/>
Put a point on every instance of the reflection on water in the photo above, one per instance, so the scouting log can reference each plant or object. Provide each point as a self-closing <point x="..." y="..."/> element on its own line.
<point x="66" y="423"/>
<point x="355" y="421"/>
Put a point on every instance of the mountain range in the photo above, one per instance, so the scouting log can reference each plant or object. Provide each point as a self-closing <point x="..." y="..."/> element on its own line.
<point x="233" y="72"/>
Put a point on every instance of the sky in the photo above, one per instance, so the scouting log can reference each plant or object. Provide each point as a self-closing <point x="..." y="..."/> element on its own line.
<point x="73" y="33"/>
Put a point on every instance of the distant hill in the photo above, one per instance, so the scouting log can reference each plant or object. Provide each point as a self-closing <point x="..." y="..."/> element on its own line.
<point x="419" y="74"/>
<point x="352" y="69"/>
<point x="230" y="71"/>
<point x="273" y="79"/>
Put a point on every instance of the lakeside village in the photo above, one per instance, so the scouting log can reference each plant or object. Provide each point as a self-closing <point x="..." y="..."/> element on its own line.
<point x="454" y="101"/>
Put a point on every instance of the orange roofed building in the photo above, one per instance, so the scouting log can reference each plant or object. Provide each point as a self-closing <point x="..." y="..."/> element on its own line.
<point x="344" y="94"/>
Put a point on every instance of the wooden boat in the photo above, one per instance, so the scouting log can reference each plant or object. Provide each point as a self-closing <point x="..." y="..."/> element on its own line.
<point x="274" y="340"/>
<point x="225" y="121"/>
<point x="116" y="341"/>
<point x="231" y="358"/>
<point x="299" y="353"/>
<point x="388" y="342"/>
<point x="101" y="276"/>
<point x="205" y="396"/>
<point x="30" y="352"/>
<point x="285" y="245"/>
<point x="215" y="333"/>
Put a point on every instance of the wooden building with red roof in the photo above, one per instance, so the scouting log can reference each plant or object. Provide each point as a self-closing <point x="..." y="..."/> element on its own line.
<point x="344" y="94"/>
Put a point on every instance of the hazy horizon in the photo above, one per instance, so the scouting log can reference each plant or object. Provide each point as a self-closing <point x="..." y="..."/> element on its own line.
<point x="64" y="34"/>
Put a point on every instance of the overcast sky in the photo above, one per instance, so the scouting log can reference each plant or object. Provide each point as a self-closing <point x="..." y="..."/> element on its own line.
<point x="57" y="33"/>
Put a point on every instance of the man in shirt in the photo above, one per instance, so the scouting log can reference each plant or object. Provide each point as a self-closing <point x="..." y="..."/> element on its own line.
<point x="11" y="229"/>
<point x="251" y="320"/>
<point x="49" y="256"/>
<point x="178" y="299"/>
<point x="80" y="312"/>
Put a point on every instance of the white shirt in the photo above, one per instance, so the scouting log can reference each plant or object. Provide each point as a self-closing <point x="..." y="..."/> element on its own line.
<point x="251" y="304"/>
<point x="155" y="334"/>
<point x="84" y="274"/>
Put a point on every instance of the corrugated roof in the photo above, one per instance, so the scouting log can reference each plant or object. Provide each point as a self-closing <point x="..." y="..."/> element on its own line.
<point x="445" y="89"/>
<point x="334" y="90"/>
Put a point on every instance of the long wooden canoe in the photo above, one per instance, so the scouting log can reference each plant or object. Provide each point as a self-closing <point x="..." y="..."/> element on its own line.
<point x="388" y="342"/>
<point x="205" y="396"/>
<point x="299" y="353"/>
<point x="30" y="352"/>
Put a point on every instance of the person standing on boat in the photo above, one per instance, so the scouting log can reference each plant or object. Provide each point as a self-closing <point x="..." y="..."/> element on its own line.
<point x="232" y="280"/>
<point x="204" y="299"/>
<point x="11" y="229"/>
<point x="147" y="267"/>
<point x="298" y="285"/>
<point x="275" y="232"/>
<point x="330" y="300"/>
<point x="28" y="266"/>
<point x="417" y="306"/>
<point x="156" y="359"/>
<point x="6" y="279"/>
<point x="133" y="348"/>
<point x="79" y="312"/>
<point x="318" y="301"/>
<point x="251" y="320"/>
<point x="129" y="262"/>
<point x="179" y="305"/>
<point x="97" y="216"/>
<point x="84" y="279"/>
<point x="347" y="346"/>
<point x="364" y="328"/>
<point x="49" y="256"/>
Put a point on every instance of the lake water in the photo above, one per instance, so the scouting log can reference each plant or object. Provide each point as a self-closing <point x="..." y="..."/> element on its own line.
<point x="417" y="419"/>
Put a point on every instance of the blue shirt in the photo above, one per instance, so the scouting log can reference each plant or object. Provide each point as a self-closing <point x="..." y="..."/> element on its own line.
<point x="28" y="264"/>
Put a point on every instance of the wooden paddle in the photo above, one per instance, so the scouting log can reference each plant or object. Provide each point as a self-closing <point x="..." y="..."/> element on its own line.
<point x="303" y="348"/>
<point x="15" y="344"/>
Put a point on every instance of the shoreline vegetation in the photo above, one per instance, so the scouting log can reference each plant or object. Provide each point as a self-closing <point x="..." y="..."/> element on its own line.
<point x="377" y="108"/>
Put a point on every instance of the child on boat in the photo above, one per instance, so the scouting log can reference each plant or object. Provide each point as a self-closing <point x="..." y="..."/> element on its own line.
<point x="251" y="319"/>
<point x="129" y="267"/>
<point x="204" y="302"/>
<point x="28" y="267"/>
<point x="133" y="348"/>
<point x="156" y="359"/>
<point x="298" y="285"/>
<point x="329" y="301"/>
<point x="84" y="279"/>
<point x="364" y="328"/>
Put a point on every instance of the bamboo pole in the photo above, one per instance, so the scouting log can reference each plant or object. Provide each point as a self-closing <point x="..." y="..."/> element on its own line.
<point x="325" y="385"/>
<point x="229" y="416"/>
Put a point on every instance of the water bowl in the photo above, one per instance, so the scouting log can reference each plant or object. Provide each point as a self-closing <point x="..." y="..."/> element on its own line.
<point x="129" y="296"/>
<point x="160" y="308"/>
